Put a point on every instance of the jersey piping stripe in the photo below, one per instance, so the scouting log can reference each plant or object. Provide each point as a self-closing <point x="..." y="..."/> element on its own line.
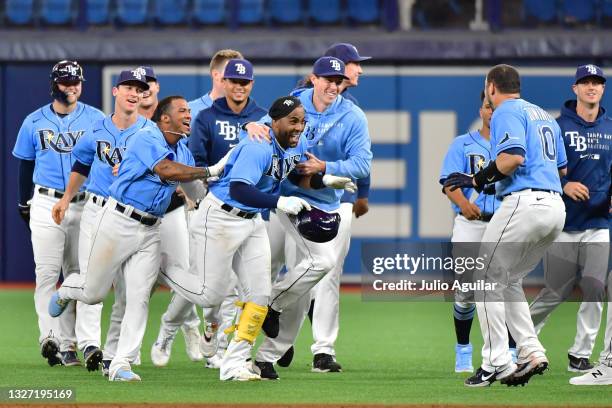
<point x="305" y="272"/>
<point x="484" y="303"/>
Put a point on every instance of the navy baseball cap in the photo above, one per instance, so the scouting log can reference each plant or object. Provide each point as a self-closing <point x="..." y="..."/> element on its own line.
<point x="329" y="66"/>
<point x="588" y="70"/>
<point x="345" y="52"/>
<point x="149" y="73"/>
<point x="238" y="69"/>
<point x="137" y="75"/>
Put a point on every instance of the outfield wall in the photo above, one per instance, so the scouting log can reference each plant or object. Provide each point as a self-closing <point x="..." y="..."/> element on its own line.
<point x="413" y="114"/>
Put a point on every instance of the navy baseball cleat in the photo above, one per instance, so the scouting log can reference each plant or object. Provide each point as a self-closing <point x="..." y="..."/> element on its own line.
<point x="57" y="305"/>
<point x="325" y="363"/>
<point x="49" y="349"/>
<point x="578" y="364"/>
<point x="484" y="378"/>
<point x="70" y="358"/>
<point x="106" y="367"/>
<point x="93" y="358"/>
<point x="287" y="358"/>
<point x="266" y="370"/>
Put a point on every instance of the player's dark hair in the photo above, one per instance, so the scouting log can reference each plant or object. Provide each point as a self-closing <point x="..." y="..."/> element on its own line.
<point x="506" y="79"/>
<point x="482" y="96"/>
<point x="163" y="107"/>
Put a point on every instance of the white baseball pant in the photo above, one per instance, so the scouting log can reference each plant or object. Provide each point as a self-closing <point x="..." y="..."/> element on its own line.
<point x="120" y="242"/>
<point x="56" y="248"/>
<point x="575" y="254"/>
<point x="227" y="243"/>
<point x="515" y="240"/>
<point x="307" y="263"/>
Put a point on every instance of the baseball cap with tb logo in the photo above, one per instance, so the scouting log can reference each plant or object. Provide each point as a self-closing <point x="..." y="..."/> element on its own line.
<point x="238" y="69"/>
<point x="329" y="66"/>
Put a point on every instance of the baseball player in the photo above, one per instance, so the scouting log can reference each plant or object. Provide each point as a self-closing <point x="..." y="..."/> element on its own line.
<point x="339" y="144"/>
<point x="181" y="312"/>
<point x="97" y="153"/>
<point x="529" y="151"/>
<point x="149" y="101"/>
<point x="601" y="374"/>
<point x="469" y="153"/>
<point x="44" y="149"/>
<point x="215" y="131"/>
<point x="586" y="133"/>
<point x="235" y="238"/>
<point x="126" y="231"/>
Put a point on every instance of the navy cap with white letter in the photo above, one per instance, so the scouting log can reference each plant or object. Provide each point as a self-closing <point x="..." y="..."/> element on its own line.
<point x="238" y="69"/>
<point x="136" y="76"/>
<point x="345" y="52"/>
<point x="588" y="70"/>
<point x="329" y="66"/>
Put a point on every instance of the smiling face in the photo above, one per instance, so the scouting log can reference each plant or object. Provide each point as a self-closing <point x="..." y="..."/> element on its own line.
<point x="326" y="88"/>
<point x="237" y="90"/>
<point x="149" y="97"/>
<point x="289" y="128"/>
<point x="72" y="90"/>
<point x="128" y="96"/>
<point x="179" y="116"/>
<point x="589" y="90"/>
<point x="353" y="71"/>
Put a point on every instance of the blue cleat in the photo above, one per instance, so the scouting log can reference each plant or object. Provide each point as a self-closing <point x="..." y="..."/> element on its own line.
<point x="463" y="358"/>
<point x="125" y="375"/>
<point x="57" y="305"/>
<point x="513" y="354"/>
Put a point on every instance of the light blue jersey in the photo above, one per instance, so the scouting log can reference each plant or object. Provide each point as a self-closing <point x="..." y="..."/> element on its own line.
<point x="102" y="148"/>
<point x="137" y="184"/>
<point x="49" y="139"/>
<point x="470" y="153"/>
<point x="263" y="165"/>
<point x="517" y="123"/>
<point x="199" y="104"/>
<point x="339" y="136"/>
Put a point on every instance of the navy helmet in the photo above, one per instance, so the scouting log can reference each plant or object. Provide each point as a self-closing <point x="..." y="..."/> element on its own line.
<point x="317" y="225"/>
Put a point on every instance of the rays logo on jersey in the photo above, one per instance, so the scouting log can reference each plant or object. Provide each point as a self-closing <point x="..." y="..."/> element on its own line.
<point x="229" y="132"/>
<point x="577" y="141"/>
<point x="107" y="154"/>
<point x="58" y="142"/>
<point x="477" y="162"/>
<point x="280" y="168"/>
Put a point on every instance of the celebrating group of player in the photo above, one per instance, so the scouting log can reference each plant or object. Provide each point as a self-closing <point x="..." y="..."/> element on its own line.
<point x="129" y="199"/>
<point x="551" y="185"/>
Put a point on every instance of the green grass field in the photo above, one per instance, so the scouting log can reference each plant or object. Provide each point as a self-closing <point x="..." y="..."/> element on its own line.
<point x="392" y="353"/>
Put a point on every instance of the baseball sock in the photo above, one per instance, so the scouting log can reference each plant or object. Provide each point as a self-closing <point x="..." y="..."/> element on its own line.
<point x="463" y="317"/>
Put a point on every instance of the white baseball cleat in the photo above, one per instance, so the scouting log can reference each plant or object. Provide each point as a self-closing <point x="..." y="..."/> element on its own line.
<point x="209" y="342"/>
<point x="125" y="375"/>
<point x="242" y="373"/>
<point x="160" y="352"/>
<point x="213" y="362"/>
<point x="601" y="374"/>
<point x="192" y="343"/>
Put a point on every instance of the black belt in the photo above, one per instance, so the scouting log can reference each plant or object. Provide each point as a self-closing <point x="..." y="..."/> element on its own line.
<point x="543" y="190"/>
<point x="148" y="221"/>
<point x="486" y="217"/>
<point x="99" y="200"/>
<point x="238" y="212"/>
<point x="59" y="194"/>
